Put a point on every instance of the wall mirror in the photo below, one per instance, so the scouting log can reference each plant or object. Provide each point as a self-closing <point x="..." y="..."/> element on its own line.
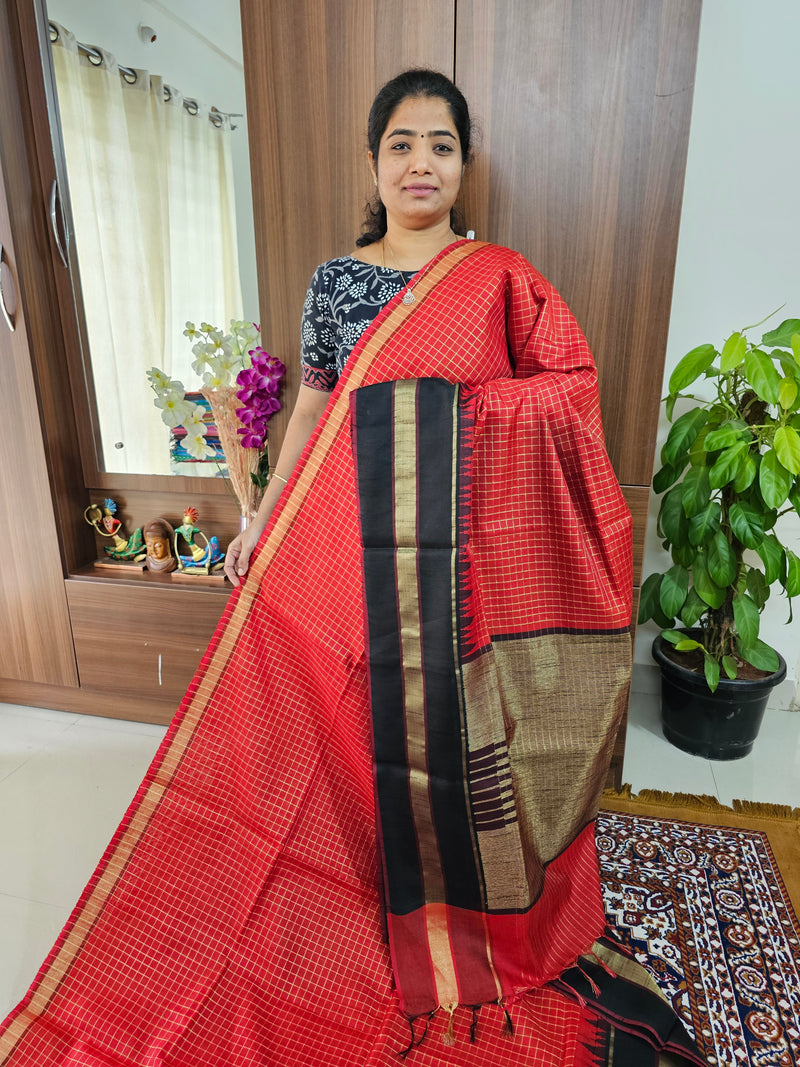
<point x="155" y="215"/>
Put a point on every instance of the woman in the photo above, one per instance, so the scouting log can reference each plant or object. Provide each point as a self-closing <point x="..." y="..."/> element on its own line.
<point x="417" y="184"/>
<point x="369" y="831"/>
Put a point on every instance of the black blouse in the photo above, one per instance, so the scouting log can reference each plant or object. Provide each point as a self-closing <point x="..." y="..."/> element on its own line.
<point x="344" y="297"/>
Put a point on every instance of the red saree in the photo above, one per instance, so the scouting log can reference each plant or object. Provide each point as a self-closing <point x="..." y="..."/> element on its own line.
<point x="240" y="915"/>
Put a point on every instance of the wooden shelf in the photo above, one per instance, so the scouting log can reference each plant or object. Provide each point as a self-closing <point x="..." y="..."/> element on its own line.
<point x="140" y="577"/>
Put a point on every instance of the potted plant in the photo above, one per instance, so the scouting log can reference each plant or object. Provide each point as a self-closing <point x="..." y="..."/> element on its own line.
<point x="730" y="471"/>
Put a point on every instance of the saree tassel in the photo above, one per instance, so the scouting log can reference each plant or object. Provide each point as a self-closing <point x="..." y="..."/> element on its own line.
<point x="473" y="1030"/>
<point x="415" y="1041"/>
<point x="593" y="985"/>
<point x="602" y="963"/>
<point x="428" y="1018"/>
<point x="449" y="1036"/>
<point x="406" y="1051"/>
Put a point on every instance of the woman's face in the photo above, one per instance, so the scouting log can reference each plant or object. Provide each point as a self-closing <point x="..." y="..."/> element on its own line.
<point x="419" y="163"/>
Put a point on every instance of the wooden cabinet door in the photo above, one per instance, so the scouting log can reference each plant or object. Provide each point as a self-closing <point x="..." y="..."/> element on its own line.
<point x="584" y="110"/>
<point x="312" y="68"/>
<point x="35" y="637"/>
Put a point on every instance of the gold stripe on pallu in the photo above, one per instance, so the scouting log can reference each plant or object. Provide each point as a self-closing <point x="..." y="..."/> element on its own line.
<point x="444" y="968"/>
<point x="408" y="605"/>
<point x="406" y="524"/>
<point x="361" y="362"/>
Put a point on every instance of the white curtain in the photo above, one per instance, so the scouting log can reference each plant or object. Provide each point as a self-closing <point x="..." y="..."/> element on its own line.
<point x="154" y="217"/>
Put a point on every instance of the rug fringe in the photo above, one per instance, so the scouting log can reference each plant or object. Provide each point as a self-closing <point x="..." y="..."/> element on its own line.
<point x="704" y="802"/>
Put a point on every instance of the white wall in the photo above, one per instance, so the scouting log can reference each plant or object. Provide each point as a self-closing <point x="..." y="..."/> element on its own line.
<point x="738" y="255"/>
<point x="198" y="49"/>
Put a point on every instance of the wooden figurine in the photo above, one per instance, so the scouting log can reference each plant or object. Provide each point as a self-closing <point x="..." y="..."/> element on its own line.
<point x="158" y="538"/>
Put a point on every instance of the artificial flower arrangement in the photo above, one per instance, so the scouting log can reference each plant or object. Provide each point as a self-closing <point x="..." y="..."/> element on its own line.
<point x="241" y="382"/>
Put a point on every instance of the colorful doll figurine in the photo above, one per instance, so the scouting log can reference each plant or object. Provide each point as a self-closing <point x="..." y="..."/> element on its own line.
<point x="158" y="538"/>
<point x="202" y="559"/>
<point x="106" y="523"/>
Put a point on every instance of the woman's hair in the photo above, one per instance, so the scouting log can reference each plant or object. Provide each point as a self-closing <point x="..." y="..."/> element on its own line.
<point x="411" y="83"/>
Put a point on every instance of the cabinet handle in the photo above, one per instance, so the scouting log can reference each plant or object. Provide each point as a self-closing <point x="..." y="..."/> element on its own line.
<point x="3" y="305"/>
<point x="54" y="222"/>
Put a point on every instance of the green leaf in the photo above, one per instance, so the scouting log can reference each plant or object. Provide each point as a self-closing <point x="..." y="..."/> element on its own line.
<point x="794" y="341"/>
<point x="674" y="586"/>
<point x="788" y="393"/>
<point x="774" y="480"/>
<point x="781" y="335"/>
<point x="747" y="524"/>
<point x="725" y="435"/>
<point x="731" y="666"/>
<point x="747" y="473"/>
<point x="681" y="435"/>
<point x="691" y="367"/>
<point x="696" y="490"/>
<point x="670" y="406"/>
<point x="705" y="524"/>
<point x="762" y="375"/>
<point x="794" y="496"/>
<point x="732" y="352"/>
<point x="687" y="644"/>
<point x="728" y="464"/>
<point x="745" y="615"/>
<point x="694" y="608"/>
<point x="666" y="477"/>
<point x="698" y="457"/>
<point x="722" y="564"/>
<point x="672" y="522"/>
<point x="771" y="552"/>
<point x="787" y="447"/>
<point x="683" y="554"/>
<point x="792" y="574"/>
<point x="760" y="655"/>
<point x="789" y="365"/>
<point x="649" y="597"/>
<point x="706" y="587"/>
<point x="757" y="586"/>
<point x="673" y="636"/>
<point x="711" y="668"/>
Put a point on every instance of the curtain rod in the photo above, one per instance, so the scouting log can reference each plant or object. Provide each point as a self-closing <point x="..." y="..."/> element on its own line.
<point x="129" y="74"/>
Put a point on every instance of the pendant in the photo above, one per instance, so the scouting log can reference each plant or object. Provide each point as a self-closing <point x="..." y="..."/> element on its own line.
<point x="408" y="297"/>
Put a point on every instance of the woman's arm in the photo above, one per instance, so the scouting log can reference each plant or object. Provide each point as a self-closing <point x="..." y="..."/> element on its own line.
<point x="307" y="412"/>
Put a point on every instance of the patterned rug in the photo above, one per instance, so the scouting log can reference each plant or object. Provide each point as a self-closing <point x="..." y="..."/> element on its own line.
<point x="706" y="908"/>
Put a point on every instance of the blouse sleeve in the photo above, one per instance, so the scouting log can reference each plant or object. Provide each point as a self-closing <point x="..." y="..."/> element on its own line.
<point x="318" y="338"/>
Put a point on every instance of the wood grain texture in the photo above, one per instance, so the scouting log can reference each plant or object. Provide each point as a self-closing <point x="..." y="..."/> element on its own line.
<point x="35" y="642"/>
<point x="584" y="109"/>
<point x="85" y="701"/>
<point x="21" y="122"/>
<point x="140" y="642"/>
<point x="312" y="68"/>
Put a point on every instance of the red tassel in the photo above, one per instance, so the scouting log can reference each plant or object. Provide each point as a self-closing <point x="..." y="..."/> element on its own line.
<point x="603" y="964"/>
<point x="594" y="986"/>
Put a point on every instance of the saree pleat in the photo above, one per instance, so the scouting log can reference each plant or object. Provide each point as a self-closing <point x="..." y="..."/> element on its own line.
<point x="238" y="916"/>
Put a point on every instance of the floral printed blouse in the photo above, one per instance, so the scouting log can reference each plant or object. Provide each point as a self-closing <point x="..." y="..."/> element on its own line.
<point x="344" y="297"/>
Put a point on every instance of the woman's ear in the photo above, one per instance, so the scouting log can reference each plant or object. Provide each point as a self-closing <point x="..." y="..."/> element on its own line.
<point x="373" y="167"/>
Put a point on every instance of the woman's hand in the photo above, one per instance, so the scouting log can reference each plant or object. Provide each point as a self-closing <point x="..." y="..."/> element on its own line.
<point x="237" y="558"/>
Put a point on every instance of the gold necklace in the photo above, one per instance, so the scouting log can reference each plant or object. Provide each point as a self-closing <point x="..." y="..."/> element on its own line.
<point x="408" y="297"/>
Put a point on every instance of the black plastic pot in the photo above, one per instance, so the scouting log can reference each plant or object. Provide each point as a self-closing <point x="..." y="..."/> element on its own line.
<point x="722" y="725"/>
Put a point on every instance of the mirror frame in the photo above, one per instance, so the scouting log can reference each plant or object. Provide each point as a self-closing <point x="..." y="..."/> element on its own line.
<point x="84" y="398"/>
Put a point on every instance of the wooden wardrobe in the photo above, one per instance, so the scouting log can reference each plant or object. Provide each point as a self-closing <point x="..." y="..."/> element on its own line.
<point x="583" y="111"/>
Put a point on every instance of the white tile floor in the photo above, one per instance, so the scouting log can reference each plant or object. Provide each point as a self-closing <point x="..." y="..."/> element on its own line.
<point x="66" y="780"/>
